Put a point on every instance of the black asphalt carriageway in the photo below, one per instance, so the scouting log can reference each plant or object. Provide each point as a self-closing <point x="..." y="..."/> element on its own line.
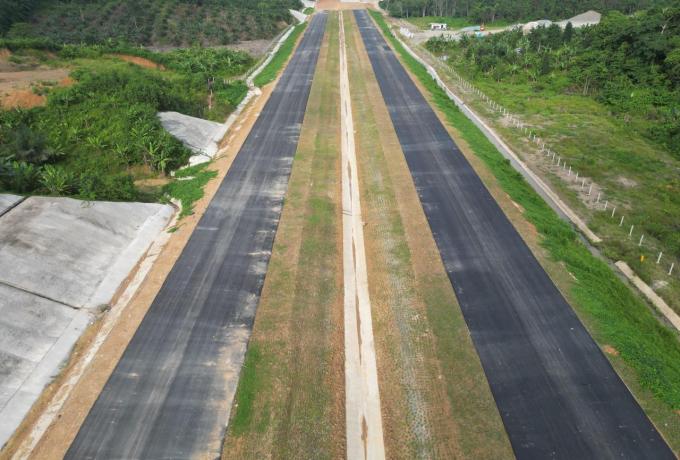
<point x="557" y="394"/>
<point x="169" y="396"/>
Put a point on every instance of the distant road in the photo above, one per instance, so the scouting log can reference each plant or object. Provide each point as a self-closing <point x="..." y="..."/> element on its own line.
<point x="556" y="392"/>
<point x="170" y="395"/>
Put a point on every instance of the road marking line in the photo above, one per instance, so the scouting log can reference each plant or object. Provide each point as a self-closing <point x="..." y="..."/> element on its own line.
<point x="362" y="398"/>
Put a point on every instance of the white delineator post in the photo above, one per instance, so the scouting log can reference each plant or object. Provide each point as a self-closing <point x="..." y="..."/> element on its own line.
<point x="362" y="398"/>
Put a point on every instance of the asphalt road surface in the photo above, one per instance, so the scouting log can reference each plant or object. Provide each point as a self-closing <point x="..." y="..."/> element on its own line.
<point x="556" y="392"/>
<point x="170" y="395"/>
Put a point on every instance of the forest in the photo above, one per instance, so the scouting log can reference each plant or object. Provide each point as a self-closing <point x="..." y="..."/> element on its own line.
<point x="513" y="10"/>
<point x="630" y="63"/>
<point x="145" y="22"/>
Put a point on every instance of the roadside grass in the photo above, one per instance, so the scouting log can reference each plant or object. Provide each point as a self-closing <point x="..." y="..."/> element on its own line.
<point x="272" y="69"/>
<point x="436" y="401"/>
<point x="612" y="312"/>
<point x="309" y="10"/>
<point x="187" y="186"/>
<point x="452" y="23"/>
<point x="290" y="400"/>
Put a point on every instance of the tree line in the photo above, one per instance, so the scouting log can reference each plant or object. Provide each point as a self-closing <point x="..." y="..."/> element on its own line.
<point x="513" y="10"/>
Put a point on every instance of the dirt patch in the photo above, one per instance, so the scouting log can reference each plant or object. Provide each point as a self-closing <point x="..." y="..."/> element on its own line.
<point x="26" y="77"/>
<point x="255" y="48"/>
<point x="140" y="61"/>
<point x="627" y="183"/>
<point x="16" y="88"/>
<point x="152" y="182"/>
<point x="610" y="350"/>
<point x="659" y="284"/>
<point x="23" y="98"/>
<point x="4" y="53"/>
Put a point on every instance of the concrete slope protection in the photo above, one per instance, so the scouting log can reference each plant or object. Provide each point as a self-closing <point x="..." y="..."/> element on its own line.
<point x="556" y="392"/>
<point x="170" y="394"/>
<point x="61" y="261"/>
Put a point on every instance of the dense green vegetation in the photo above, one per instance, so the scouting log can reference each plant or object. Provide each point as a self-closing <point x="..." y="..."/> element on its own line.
<point x="630" y="63"/>
<point x="95" y="138"/>
<point x="272" y="69"/>
<point x="147" y="22"/>
<point x="12" y="11"/>
<point x="512" y="10"/>
<point x="612" y="312"/>
<point x="607" y="99"/>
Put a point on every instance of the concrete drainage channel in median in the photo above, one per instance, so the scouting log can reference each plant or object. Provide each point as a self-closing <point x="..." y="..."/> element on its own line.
<point x="363" y="416"/>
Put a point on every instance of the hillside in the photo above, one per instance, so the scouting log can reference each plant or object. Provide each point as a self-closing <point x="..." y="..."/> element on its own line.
<point x="96" y="135"/>
<point x="146" y="22"/>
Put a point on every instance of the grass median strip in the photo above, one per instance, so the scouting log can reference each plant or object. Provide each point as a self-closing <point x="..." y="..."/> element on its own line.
<point x="436" y="401"/>
<point x="647" y="354"/>
<point x="290" y="400"/>
<point x="272" y="69"/>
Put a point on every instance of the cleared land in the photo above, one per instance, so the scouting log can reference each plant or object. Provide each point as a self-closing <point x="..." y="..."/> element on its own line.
<point x="22" y="88"/>
<point x="435" y="398"/>
<point x="192" y="340"/>
<point x="555" y="390"/>
<point x="290" y="400"/>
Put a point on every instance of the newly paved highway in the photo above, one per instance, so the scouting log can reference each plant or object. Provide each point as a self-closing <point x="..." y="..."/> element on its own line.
<point x="169" y="396"/>
<point x="556" y="392"/>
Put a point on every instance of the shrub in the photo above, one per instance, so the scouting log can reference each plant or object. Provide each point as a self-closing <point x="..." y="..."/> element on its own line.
<point x="19" y="176"/>
<point x="57" y="180"/>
